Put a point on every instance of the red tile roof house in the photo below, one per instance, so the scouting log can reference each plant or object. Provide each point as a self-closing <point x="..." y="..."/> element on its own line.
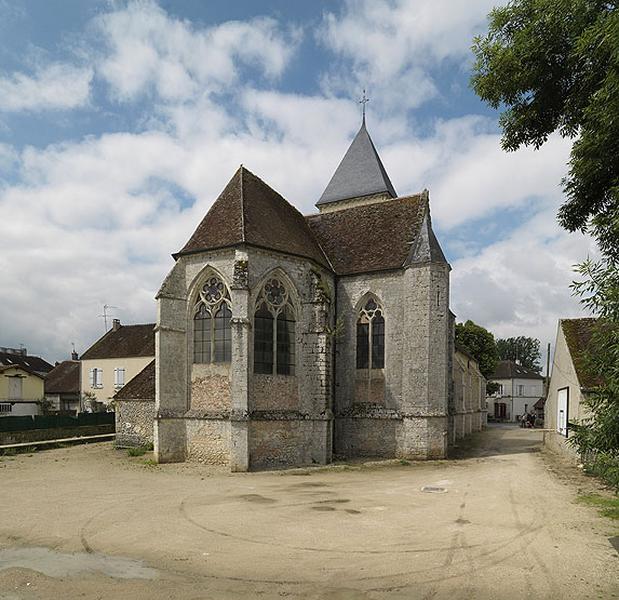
<point x="284" y="339"/>
<point x="570" y="382"/>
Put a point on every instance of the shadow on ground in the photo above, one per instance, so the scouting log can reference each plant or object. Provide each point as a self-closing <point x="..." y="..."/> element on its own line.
<point x="497" y="440"/>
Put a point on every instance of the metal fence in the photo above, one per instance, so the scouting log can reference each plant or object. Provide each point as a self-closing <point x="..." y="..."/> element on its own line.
<point x="27" y="423"/>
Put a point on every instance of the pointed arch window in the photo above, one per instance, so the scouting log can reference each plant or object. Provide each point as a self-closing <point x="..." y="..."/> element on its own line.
<point x="371" y="336"/>
<point x="274" y="331"/>
<point x="212" y="337"/>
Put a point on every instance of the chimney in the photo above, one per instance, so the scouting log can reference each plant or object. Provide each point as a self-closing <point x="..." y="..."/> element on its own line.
<point x="74" y="355"/>
<point x="115" y="324"/>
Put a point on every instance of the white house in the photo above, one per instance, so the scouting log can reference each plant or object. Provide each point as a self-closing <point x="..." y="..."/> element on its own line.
<point x="519" y="390"/>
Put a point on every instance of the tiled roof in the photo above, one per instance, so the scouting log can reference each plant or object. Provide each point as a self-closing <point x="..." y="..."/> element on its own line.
<point x="578" y="334"/>
<point x="372" y="237"/>
<point x="125" y="342"/>
<point x="361" y="172"/>
<point x="64" y="378"/>
<point x="249" y="211"/>
<point x="141" y="387"/>
<point x="32" y="363"/>
<point x="508" y="369"/>
<point x="25" y="369"/>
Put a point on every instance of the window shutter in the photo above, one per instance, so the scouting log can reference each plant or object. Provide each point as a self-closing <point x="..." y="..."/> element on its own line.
<point x="116" y="377"/>
<point x="100" y="378"/>
<point x="92" y="377"/>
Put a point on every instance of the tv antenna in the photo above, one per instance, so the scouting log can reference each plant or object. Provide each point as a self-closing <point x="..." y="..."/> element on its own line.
<point x="105" y="315"/>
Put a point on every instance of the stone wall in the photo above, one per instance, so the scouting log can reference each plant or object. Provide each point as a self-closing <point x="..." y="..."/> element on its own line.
<point x="274" y="392"/>
<point x="366" y="436"/>
<point x="210" y="389"/>
<point x="288" y="442"/>
<point x="208" y="441"/>
<point x="134" y="423"/>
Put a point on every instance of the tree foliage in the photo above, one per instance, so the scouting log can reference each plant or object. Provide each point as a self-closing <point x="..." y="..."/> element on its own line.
<point x="599" y="291"/>
<point x="524" y="350"/>
<point x="478" y="342"/>
<point x="553" y="65"/>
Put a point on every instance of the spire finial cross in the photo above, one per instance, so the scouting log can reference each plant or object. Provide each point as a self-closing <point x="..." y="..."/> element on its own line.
<point x="364" y="100"/>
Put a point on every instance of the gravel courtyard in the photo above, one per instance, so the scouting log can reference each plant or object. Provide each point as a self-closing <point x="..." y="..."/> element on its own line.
<point x="90" y="522"/>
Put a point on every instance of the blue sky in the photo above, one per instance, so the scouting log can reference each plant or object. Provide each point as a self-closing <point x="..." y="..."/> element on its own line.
<point x="120" y="122"/>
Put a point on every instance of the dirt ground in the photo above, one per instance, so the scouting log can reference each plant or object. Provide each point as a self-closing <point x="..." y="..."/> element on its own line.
<point x="90" y="522"/>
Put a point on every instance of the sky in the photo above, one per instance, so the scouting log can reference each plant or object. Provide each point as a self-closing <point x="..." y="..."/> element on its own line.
<point x="121" y="122"/>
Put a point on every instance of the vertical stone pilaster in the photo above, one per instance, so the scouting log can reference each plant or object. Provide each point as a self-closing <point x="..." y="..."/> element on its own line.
<point x="239" y="374"/>
<point x="170" y="442"/>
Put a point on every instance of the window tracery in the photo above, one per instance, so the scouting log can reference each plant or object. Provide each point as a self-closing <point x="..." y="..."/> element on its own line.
<point x="212" y="337"/>
<point x="371" y="336"/>
<point x="274" y="330"/>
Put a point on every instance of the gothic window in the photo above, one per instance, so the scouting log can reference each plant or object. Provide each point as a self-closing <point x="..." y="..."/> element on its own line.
<point x="371" y="337"/>
<point x="274" y="331"/>
<point x="212" y="339"/>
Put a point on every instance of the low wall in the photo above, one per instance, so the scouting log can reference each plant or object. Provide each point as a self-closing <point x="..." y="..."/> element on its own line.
<point x="134" y="423"/>
<point x="557" y="443"/>
<point x="39" y="435"/>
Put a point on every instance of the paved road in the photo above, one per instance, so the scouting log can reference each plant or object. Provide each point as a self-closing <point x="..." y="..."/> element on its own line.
<point x="90" y="522"/>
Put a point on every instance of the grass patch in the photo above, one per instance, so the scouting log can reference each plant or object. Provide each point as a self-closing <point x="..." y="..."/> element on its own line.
<point x="9" y="452"/>
<point x="607" y="507"/>
<point x="149" y="462"/>
<point x="140" y="451"/>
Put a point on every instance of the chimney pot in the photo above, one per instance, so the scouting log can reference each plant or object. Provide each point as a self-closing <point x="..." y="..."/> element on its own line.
<point x="74" y="355"/>
<point x="115" y="324"/>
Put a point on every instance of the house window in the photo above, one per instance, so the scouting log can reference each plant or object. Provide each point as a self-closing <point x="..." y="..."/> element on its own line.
<point x="6" y="408"/>
<point x="212" y="335"/>
<point x="274" y="331"/>
<point x="521" y="390"/>
<point x="96" y="378"/>
<point x="371" y="337"/>
<point x="119" y="377"/>
<point x="499" y="390"/>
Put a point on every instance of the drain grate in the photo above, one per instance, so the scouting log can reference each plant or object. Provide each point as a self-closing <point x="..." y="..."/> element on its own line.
<point x="432" y="489"/>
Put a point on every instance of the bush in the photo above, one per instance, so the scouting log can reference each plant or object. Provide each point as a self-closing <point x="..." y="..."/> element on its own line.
<point x="606" y="467"/>
<point x="139" y="451"/>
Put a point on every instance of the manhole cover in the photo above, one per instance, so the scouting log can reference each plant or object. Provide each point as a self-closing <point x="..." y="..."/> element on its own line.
<point x="433" y="489"/>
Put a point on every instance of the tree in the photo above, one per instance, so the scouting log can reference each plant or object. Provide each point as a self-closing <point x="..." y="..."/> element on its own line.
<point x="524" y="350"/>
<point x="478" y="342"/>
<point x="554" y="66"/>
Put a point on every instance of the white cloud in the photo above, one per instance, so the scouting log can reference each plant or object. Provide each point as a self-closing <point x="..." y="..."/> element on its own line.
<point x="53" y="87"/>
<point x="393" y="44"/>
<point x="146" y="50"/>
<point x="520" y="285"/>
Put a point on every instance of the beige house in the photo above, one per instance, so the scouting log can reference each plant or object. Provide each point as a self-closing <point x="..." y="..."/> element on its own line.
<point x="115" y="359"/>
<point x="21" y="391"/>
<point x="569" y="383"/>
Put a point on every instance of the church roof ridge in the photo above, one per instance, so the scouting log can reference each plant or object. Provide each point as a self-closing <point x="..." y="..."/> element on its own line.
<point x="360" y="172"/>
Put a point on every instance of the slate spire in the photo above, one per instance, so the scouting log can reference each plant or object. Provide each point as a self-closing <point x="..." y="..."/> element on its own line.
<point x="361" y="172"/>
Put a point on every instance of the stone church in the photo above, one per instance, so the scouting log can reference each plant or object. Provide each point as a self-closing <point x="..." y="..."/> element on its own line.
<point x="284" y="339"/>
